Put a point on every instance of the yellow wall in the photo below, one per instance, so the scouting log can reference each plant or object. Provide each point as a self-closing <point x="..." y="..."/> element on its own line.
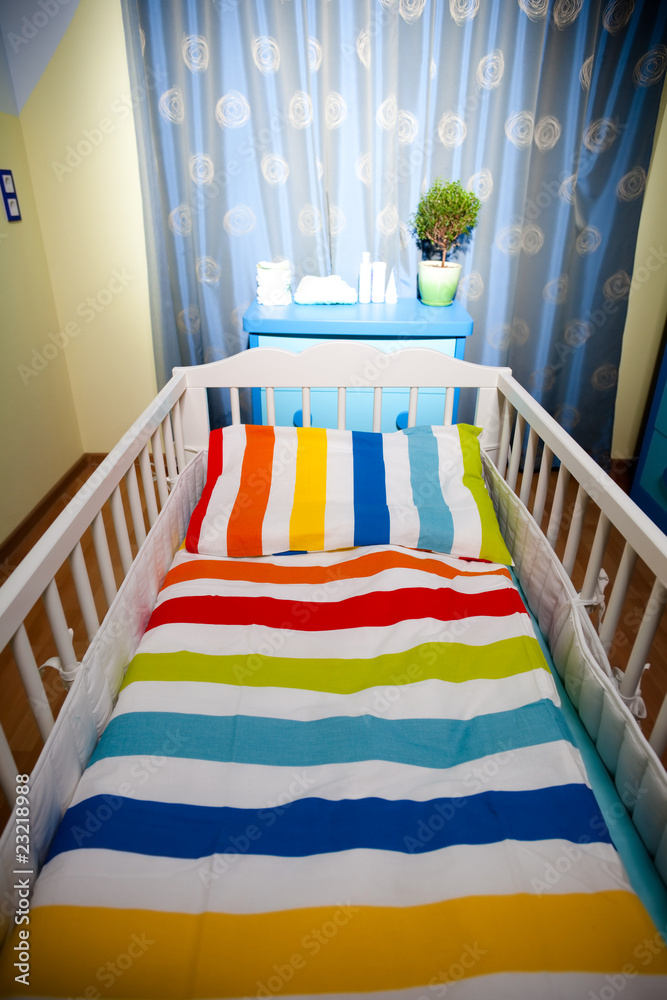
<point x="79" y="134"/>
<point x="647" y="305"/>
<point x="40" y="437"/>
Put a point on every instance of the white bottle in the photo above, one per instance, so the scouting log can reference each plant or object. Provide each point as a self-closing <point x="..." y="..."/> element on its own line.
<point x="378" y="272"/>
<point x="391" y="295"/>
<point x="365" y="277"/>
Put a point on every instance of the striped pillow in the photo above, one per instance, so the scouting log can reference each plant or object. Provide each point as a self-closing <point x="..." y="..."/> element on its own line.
<point x="277" y="489"/>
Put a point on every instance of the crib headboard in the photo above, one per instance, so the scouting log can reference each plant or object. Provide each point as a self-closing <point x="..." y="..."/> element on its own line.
<point x="342" y="365"/>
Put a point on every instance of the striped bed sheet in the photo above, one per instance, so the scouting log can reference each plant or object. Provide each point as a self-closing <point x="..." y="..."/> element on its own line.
<point x="337" y="775"/>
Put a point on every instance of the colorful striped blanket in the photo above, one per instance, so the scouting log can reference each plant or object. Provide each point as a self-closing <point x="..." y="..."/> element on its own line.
<point x="337" y="775"/>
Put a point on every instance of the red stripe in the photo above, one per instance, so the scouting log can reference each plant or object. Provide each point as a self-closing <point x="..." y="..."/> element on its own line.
<point x="213" y="471"/>
<point x="377" y="609"/>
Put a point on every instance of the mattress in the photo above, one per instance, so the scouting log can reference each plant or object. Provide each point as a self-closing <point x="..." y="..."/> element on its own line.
<point x="336" y="774"/>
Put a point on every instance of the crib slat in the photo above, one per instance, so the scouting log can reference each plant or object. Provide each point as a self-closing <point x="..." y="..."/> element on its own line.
<point x="158" y="462"/>
<point x="619" y="590"/>
<point x="449" y="407"/>
<point x="235" y="401"/>
<point x="169" y="448"/>
<point x="120" y="525"/>
<point x="147" y="480"/>
<point x="27" y="665"/>
<point x="542" y="483"/>
<point x="103" y="558"/>
<point x="270" y="406"/>
<point x="177" y="424"/>
<point x="61" y="635"/>
<point x="412" y="406"/>
<point x="506" y="422"/>
<point x="658" y="737"/>
<point x="517" y="446"/>
<point x="557" y="506"/>
<point x="305" y="405"/>
<point x="8" y="769"/>
<point x="340" y="423"/>
<point x="529" y="467"/>
<point x="377" y="408"/>
<point x="644" y="640"/>
<point x="574" y="534"/>
<point x="135" y="505"/>
<point x="595" y="558"/>
<point x="84" y="591"/>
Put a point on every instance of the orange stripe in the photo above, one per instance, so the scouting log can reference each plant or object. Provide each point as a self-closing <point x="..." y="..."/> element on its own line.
<point x="244" y="532"/>
<point x="359" y="567"/>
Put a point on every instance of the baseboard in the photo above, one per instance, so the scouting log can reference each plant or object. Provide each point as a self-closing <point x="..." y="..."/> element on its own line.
<point x="18" y="535"/>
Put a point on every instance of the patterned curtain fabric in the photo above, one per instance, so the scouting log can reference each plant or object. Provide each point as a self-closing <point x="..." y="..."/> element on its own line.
<point x="307" y="129"/>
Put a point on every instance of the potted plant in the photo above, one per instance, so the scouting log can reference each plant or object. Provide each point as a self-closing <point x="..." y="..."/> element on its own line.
<point x="445" y="215"/>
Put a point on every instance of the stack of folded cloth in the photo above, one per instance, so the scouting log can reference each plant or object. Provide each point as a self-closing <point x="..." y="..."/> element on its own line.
<point x="274" y="281"/>
<point x="329" y="291"/>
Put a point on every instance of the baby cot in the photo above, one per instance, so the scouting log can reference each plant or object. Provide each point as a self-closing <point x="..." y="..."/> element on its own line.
<point x="326" y="939"/>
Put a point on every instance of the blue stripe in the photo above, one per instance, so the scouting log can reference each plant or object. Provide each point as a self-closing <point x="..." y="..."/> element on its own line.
<point x="320" y="826"/>
<point x="285" y="743"/>
<point x="371" y="514"/>
<point x="436" y="526"/>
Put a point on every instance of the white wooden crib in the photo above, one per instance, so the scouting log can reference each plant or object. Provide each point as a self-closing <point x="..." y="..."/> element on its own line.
<point x="167" y="444"/>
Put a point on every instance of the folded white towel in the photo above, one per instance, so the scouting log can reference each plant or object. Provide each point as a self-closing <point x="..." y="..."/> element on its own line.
<point x="329" y="291"/>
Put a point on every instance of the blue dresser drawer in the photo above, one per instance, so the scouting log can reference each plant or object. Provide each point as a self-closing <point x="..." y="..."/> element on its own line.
<point x="389" y="327"/>
<point x="358" y="402"/>
<point x="358" y="407"/>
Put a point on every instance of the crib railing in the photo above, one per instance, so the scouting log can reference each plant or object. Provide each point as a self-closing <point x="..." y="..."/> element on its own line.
<point x="117" y="505"/>
<point x="533" y="442"/>
<point x="112" y="512"/>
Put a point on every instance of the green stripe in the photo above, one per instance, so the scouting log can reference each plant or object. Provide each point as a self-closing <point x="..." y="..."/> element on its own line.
<point x="446" y="661"/>
<point x="493" y="546"/>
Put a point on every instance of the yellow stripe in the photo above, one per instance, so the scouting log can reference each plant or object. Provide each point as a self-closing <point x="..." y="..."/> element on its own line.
<point x="332" y="949"/>
<point x="306" y="526"/>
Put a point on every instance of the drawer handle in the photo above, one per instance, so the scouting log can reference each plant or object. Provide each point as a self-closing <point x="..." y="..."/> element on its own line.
<point x="297" y="419"/>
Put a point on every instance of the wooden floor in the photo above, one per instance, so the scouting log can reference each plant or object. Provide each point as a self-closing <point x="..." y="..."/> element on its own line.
<point x="21" y="729"/>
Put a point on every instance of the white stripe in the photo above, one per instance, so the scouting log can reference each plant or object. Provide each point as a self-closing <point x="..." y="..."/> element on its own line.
<point x="467" y="523"/>
<point x="339" y="507"/>
<point x="237" y="640"/>
<point x="403" y="515"/>
<point x="428" y="699"/>
<point x="336" y="588"/>
<point x="275" y="526"/>
<point x="513" y="986"/>
<point x="261" y="786"/>
<point x="237" y="882"/>
<point x="213" y="536"/>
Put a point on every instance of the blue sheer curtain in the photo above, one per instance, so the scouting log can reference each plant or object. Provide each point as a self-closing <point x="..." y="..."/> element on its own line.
<point x="307" y="130"/>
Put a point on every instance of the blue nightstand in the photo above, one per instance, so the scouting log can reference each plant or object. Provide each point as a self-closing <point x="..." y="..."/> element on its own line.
<point x="649" y="486"/>
<point x="389" y="327"/>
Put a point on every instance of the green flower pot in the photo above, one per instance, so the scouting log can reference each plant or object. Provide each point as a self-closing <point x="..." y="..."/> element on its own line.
<point x="438" y="284"/>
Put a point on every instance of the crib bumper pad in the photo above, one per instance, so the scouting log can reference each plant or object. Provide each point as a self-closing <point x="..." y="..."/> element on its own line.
<point x="336" y="775"/>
